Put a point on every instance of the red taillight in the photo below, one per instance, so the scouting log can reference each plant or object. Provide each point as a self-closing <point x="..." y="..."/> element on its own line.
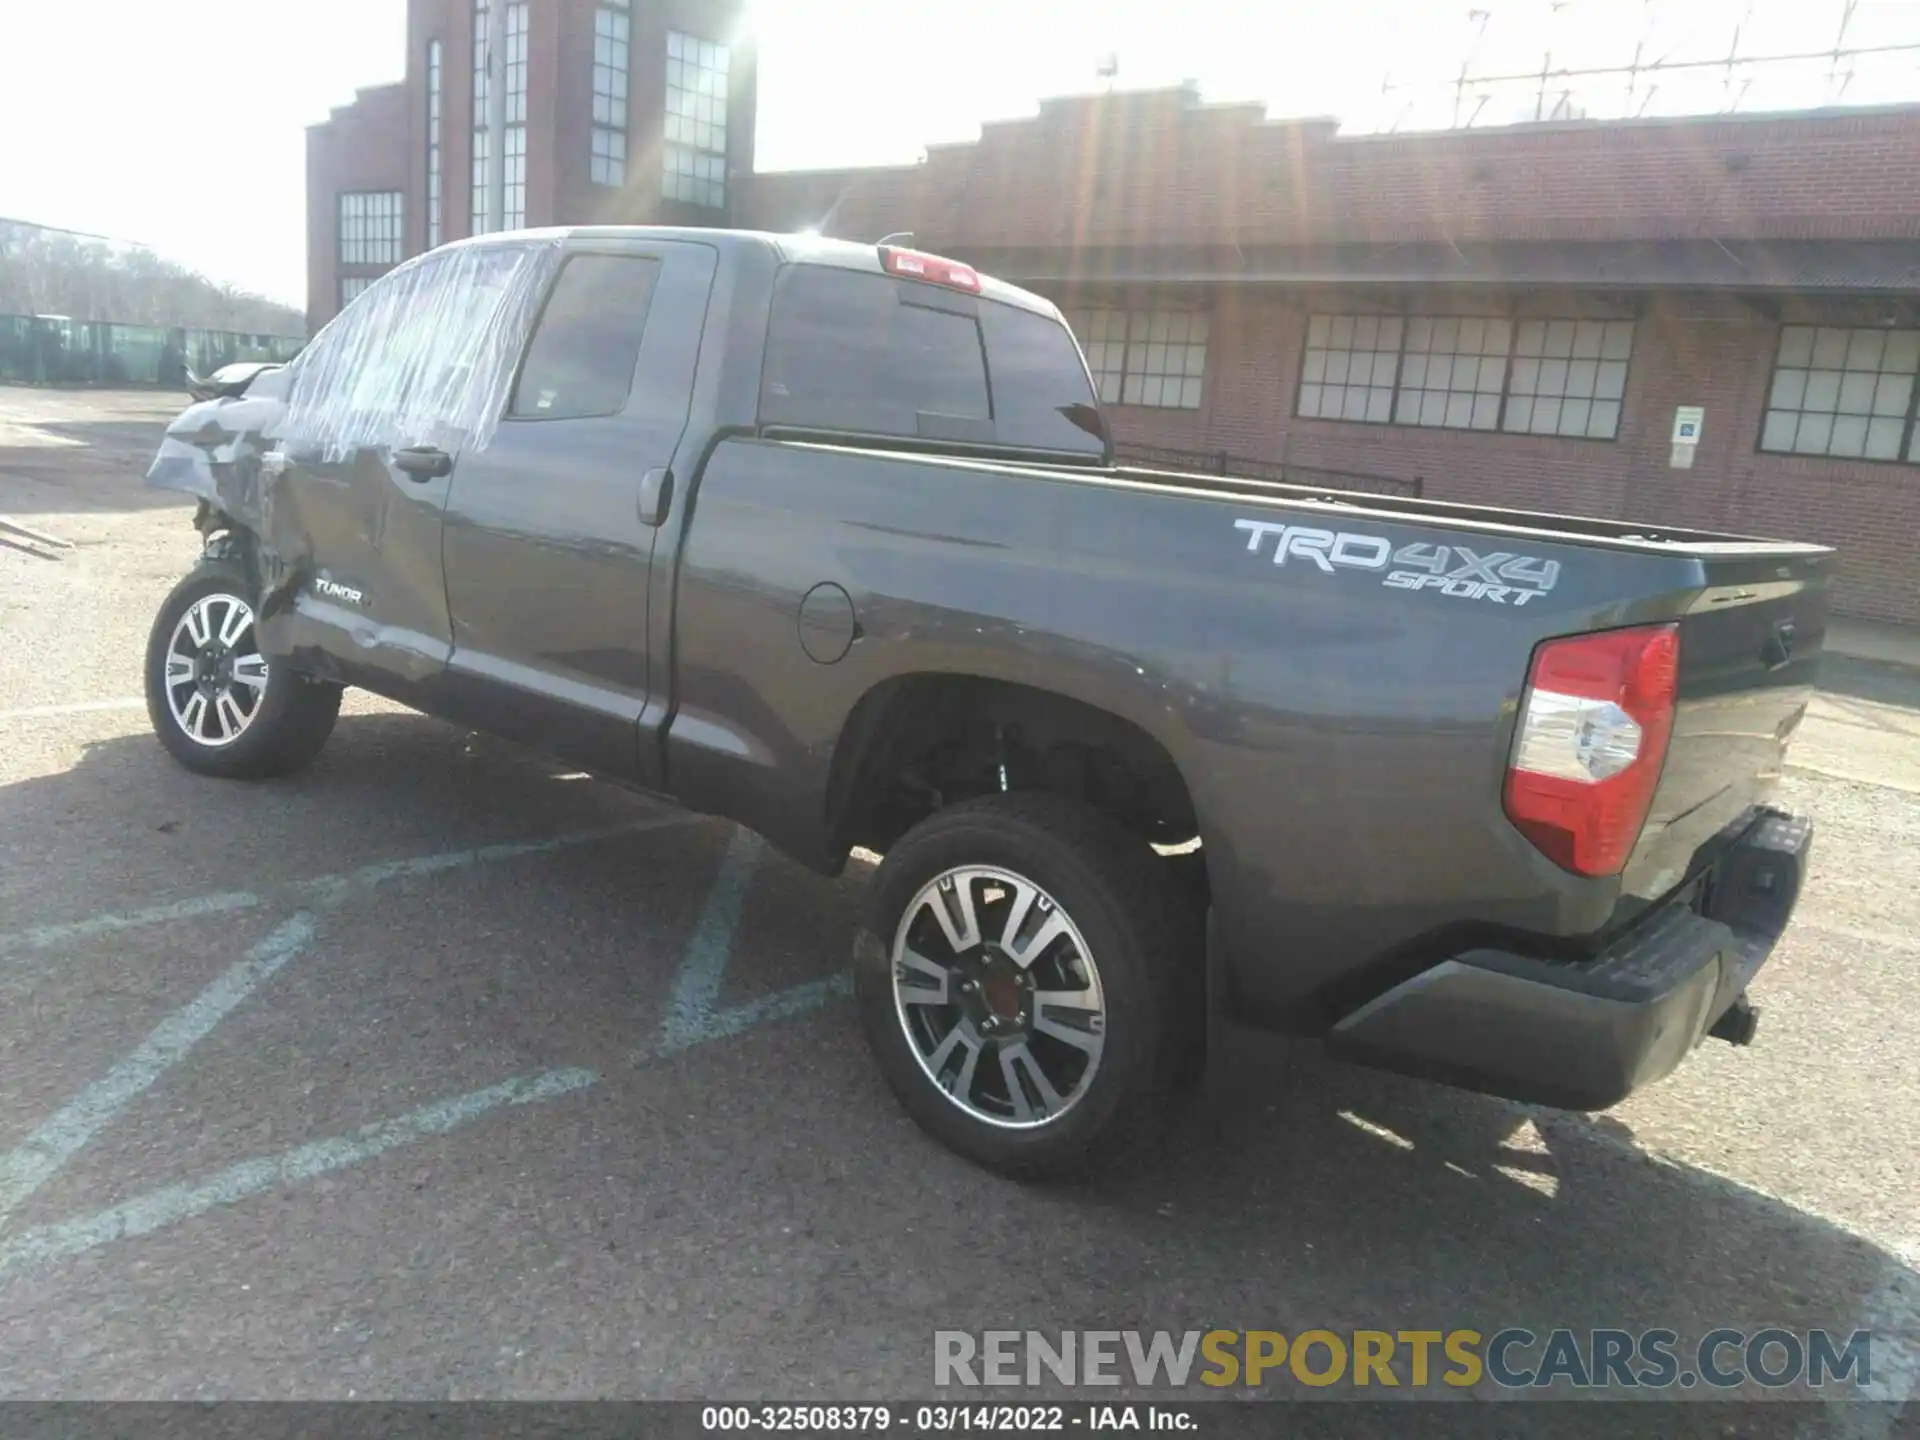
<point x="1592" y="736"/>
<point x="933" y="269"/>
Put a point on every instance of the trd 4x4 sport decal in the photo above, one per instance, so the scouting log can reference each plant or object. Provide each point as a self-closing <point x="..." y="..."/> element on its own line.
<point x="1500" y="576"/>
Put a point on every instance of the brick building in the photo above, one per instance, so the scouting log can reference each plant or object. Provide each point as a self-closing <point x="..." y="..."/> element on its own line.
<point x="618" y="111"/>
<point x="1513" y="316"/>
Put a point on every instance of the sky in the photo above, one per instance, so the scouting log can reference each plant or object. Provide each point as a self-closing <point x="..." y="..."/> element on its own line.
<point x="185" y="130"/>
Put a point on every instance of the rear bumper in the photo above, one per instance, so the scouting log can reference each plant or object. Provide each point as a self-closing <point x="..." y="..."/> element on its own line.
<point x="1585" y="1035"/>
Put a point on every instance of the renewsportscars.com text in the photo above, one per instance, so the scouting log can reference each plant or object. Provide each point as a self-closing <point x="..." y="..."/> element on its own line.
<point x="1513" y="1358"/>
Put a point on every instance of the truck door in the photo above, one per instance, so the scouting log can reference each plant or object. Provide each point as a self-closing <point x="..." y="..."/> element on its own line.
<point x="550" y="529"/>
<point x="357" y="488"/>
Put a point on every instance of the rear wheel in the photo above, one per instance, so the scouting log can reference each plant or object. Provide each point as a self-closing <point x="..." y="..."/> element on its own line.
<point x="218" y="707"/>
<point x="1014" y="973"/>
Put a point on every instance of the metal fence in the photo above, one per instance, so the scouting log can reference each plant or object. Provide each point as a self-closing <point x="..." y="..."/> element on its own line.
<point x="53" y="350"/>
<point x="1219" y="462"/>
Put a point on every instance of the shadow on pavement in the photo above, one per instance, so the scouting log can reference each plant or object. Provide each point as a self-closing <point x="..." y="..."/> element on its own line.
<point x="1877" y="680"/>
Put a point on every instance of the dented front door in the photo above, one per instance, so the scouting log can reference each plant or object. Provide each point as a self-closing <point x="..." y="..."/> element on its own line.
<point x="369" y="462"/>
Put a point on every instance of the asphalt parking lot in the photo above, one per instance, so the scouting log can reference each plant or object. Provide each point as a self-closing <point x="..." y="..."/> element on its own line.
<point x="439" y="1071"/>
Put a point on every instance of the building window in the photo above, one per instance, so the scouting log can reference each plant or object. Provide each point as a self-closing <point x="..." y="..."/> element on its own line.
<point x="370" y="227"/>
<point x="1145" y="357"/>
<point x="482" y="97"/>
<point x="1534" y="377"/>
<point x="1844" y="393"/>
<point x="433" y="143"/>
<point x="694" y="159"/>
<point x="351" y="286"/>
<point x="1349" y="367"/>
<point x="612" y="29"/>
<point x="1569" y="377"/>
<point x="1453" y="372"/>
<point x="515" y="198"/>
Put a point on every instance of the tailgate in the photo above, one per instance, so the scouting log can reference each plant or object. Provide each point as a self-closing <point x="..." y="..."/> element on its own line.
<point x="1749" y="650"/>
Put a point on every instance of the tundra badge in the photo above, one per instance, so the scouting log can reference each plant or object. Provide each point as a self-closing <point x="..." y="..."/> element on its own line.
<point x="332" y="590"/>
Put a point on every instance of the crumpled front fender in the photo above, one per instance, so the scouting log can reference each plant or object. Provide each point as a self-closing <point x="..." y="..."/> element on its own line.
<point x="225" y="451"/>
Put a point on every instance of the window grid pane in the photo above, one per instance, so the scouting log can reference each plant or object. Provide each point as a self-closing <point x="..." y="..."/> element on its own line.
<point x="1452" y="372"/>
<point x="1843" y="392"/>
<point x="1569" y="377"/>
<point x="1155" y="358"/>
<point x="693" y="164"/>
<point x="1349" y="368"/>
<point x="516" y="197"/>
<point x="1463" y="372"/>
<point x="351" y="286"/>
<point x="370" y="227"/>
<point x="433" y="143"/>
<point x="514" y="201"/>
<point x="517" y="62"/>
<point x="612" y="37"/>
<point x="482" y="145"/>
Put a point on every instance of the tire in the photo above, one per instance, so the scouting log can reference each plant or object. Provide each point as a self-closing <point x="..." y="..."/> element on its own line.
<point x="253" y="720"/>
<point x="1117" y="951"/>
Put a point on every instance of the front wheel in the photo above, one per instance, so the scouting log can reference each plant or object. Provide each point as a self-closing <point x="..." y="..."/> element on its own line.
<point x="218" y="707"/>
<point x="1015" y="975"/>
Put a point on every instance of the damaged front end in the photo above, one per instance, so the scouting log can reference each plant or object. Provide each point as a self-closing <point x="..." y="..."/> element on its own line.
<point x="216" y="450"/>
<point x="290" y="460"/>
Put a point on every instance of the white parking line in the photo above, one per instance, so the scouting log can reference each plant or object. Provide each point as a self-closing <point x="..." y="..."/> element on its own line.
<point x="29" y="1165"/>
<point x="693" y="1018"/>
<point x="696" y="993"/>
<point x="78" y="707"/>
<point x="41" y="937"/>
<point x="330" y="888"/>
<point x="168" y="1206"/>
<point x="326" y="889"/>
<point x="768" y="1008"/>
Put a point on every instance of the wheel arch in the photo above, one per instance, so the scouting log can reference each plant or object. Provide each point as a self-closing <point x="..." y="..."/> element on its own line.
<point x="916" y="743"/>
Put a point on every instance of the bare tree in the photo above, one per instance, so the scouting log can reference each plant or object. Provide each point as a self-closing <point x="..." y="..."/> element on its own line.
<point x="56" y="272"/>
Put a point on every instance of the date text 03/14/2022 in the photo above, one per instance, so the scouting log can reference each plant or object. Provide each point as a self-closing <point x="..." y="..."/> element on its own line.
<point x="946" y="1419"/>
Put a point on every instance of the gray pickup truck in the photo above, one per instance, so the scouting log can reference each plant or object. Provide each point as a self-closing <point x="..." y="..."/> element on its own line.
<point x="827" y="538"/>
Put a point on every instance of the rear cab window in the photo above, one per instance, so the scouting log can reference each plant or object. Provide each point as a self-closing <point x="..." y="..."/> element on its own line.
<point x="860" y="353"/>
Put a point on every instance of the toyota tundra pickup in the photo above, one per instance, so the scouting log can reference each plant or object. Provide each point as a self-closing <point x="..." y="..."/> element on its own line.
<point x="827" y="538"/>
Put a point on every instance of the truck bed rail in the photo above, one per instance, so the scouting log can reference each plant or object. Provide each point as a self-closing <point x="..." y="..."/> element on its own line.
<point x="1220" y="462"/>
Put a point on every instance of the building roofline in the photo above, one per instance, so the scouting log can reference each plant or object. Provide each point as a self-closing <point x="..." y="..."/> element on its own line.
<point x="1811" y="119"/>
<point x="1586" y="126"/>
<point x="361" y="93"/>
<point x="1884" y="268"/>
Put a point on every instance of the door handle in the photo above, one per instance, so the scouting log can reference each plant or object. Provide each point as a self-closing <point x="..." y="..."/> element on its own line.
<point x="423" y="462"/>
<point x="656" y="495"/>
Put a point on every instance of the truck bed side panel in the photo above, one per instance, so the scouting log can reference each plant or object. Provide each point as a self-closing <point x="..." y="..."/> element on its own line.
<point x="1343" y="740"/>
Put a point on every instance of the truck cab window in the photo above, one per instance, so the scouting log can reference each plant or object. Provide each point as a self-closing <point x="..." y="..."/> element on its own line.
<point x="1041" y="394"/>
<point x="423" y="356"/>
<point x="855" y="352"/>
<point x="581" y="359"/>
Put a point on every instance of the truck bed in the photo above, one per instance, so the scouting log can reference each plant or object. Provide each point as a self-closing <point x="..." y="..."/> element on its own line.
<point x="1498" y="519"/>
<point x="1733" y="598"/>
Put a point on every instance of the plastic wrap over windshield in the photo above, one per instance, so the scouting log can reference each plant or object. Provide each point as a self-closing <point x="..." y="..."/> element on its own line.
<point x="423" y="357"/>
